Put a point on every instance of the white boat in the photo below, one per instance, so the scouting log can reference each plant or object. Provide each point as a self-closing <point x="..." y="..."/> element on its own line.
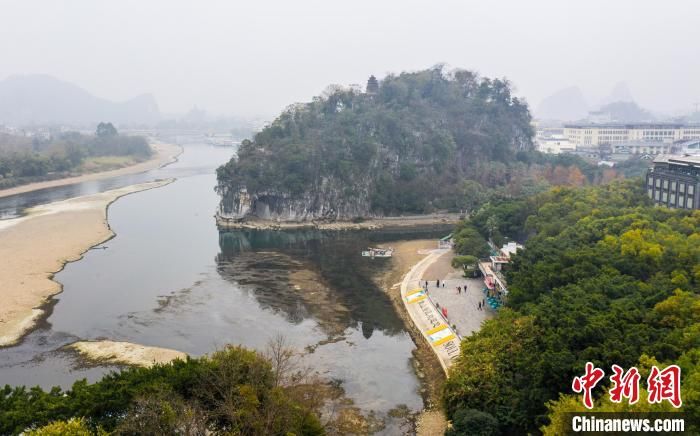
<point x="378" y="252"/>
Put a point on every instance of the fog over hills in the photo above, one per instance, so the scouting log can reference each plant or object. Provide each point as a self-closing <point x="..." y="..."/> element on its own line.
<point x="627" y="112"/>
<point x="43" y="99"/>
<point x="569" y="104"/>
<point x="566" y="104"/>
<point x="619" y="93"/>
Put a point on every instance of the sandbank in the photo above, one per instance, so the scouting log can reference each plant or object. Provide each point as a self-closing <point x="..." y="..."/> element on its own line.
<point x="125" y="353"/>
<point x="36" y="246"/>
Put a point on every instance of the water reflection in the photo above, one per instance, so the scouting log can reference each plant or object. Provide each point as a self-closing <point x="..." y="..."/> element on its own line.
<point x="315" y="273"/>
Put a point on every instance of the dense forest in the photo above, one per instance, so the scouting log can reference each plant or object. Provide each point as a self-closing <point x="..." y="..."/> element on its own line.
<point x="233" y="391"/>
<point x="604" y="277"/>
<point x="32" y="159"/>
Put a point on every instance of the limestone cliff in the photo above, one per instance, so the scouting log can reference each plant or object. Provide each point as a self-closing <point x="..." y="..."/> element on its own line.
<point x="327" y="203"/>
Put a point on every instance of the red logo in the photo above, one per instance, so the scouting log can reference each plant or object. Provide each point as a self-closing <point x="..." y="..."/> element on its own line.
<point x="665" y="385"/>
<point x="662" y="385"/>
<point x="624" y="386"/>
<point x="587" y="382"/>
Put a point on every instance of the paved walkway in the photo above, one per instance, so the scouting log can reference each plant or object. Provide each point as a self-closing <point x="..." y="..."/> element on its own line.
<point x="425" y="315"/>
<point x="462" y="308"/>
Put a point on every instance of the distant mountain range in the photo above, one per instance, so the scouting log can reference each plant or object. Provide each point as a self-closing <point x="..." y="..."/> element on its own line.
<point x="42" y="99"/>
<point x="619" y="93"/>
<point x="626" y="112"/>
<point x="569" y="104"/>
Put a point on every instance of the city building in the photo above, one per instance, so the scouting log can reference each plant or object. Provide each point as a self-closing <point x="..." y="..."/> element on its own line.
<point x="687" y="148"/>
<point x="641" y="147"/>
<point x="674" y="181"/>
<point x="554" y="144"/>
<point x="593" y="134"/>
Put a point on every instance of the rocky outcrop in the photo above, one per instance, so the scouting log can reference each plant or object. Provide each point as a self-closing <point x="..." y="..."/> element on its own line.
<point x="329" y="202"/>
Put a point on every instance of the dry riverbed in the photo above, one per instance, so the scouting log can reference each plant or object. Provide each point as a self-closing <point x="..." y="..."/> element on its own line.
<point x="35" y="247"/>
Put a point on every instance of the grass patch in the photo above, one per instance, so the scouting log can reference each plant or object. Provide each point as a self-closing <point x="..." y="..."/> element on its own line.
<point x="105" y="163"/>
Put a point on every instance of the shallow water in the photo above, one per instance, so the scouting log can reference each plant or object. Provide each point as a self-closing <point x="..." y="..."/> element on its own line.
<point x="170" y="279"/>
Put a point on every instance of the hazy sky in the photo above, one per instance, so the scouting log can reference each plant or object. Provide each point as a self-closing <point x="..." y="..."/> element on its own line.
<point x="256" y="57"/>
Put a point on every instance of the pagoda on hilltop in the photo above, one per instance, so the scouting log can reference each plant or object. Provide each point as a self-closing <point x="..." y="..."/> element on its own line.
<point x="372" y="85"/>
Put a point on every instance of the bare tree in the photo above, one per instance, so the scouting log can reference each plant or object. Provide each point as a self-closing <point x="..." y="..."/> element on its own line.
<point x="283" y="358"/>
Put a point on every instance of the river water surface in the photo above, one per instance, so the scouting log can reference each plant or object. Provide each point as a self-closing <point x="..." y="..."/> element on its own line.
<point x="170" y="279"/>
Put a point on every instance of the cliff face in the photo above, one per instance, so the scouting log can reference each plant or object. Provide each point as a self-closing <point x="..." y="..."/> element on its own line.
<point x="328" y="202"/>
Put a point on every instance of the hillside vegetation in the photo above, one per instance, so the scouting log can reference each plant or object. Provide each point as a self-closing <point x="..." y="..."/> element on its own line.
<point x="380" y="149"/>
<point x="414" y="143"/>
<point x="605" y="277"/>
<point x="234" y="391"/>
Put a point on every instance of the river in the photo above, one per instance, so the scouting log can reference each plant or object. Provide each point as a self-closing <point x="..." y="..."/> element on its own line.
<point x="170" y="279"/>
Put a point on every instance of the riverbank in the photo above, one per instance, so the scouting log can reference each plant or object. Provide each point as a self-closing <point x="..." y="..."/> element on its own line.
<point x="427" y="366"/>
<point x="36" y="246"/>
<point x="434" y="328"/>
<point x="370" y="224"/>
<point x="164" y="154"/>
<point x="125" y="353"/>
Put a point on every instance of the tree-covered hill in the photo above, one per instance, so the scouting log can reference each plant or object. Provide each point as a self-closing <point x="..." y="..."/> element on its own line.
<point x="604" y="277"/>
<point x="405" y="146"/>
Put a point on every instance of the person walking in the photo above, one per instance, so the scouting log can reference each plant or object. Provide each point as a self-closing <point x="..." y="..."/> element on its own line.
<point x="437" y="283"/>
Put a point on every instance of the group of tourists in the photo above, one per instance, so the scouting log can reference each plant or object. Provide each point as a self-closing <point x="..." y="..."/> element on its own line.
<point x="438" y="284"/>
<point x="441" y="284"/>
<point x="459" y="289"/>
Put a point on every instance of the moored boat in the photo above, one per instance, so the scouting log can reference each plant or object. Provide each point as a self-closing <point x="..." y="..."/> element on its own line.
<point x="378" y="252"/>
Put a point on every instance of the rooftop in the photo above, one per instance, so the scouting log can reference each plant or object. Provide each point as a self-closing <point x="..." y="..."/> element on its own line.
<point x="678" y="160"/>
<point x="631" y="125"/>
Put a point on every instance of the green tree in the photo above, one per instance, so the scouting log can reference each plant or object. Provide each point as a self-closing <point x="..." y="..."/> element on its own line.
<point x="474" y="195"/>
<point x="73" y="427"/>
<point x="473" y="422"/>
<point x="105" y="130"/>
<point x="466" y="263"/>
<point x="468" y="241"/>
